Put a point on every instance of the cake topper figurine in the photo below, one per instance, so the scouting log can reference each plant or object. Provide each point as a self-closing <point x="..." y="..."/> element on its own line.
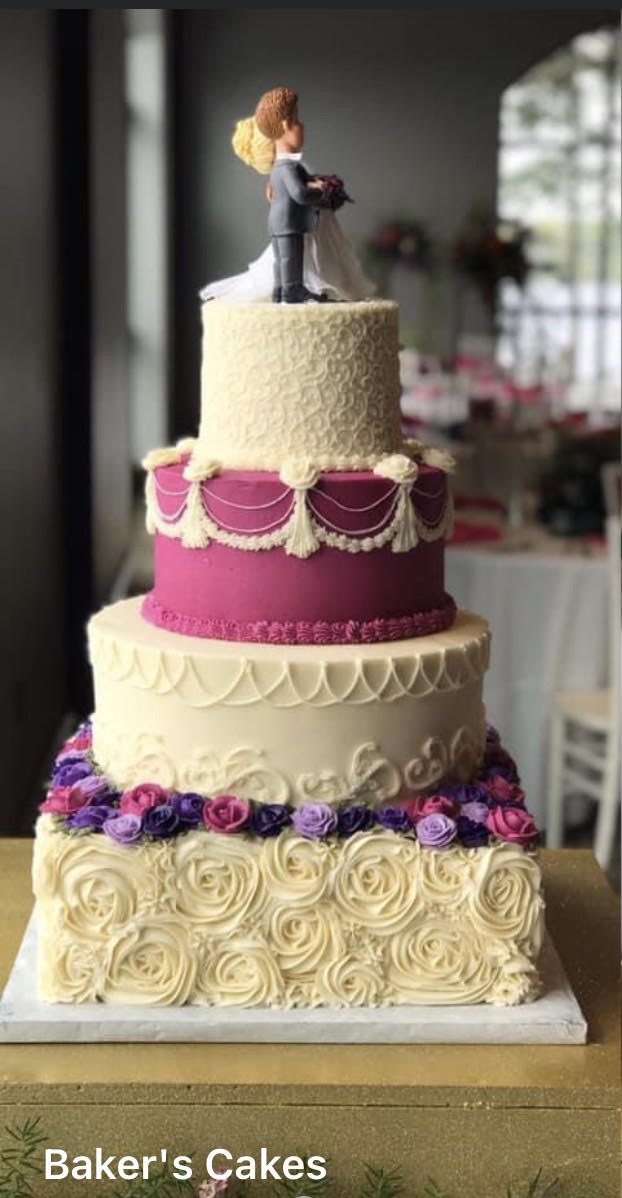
<point x="309" y="259"/>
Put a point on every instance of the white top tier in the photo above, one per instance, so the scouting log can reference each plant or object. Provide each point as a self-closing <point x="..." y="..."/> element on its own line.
<point x="318" y="381"/>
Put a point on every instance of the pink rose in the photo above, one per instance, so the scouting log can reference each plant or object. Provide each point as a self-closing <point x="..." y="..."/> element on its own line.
<point x="63" y="801"/>
<point x="503" y="791"/>
<point x="226" y="814"/>
<point x="78" y="744"/>
<point x="513" y="824"/>
<point x="421" y="807"/>
<point x="143" y="798"/>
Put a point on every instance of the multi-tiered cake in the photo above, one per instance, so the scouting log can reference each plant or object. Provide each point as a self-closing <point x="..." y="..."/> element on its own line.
<point x="288" y="795"/>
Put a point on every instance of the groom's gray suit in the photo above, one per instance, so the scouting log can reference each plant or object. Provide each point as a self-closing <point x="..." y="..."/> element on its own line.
<point x="293" y="212"/>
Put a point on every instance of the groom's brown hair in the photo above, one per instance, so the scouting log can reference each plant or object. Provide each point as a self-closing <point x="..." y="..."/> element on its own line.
<point x="274" y="107"/>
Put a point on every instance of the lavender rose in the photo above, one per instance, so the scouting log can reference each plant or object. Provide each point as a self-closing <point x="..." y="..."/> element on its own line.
<point x="161" y="822"/>
<point x="476" y="813"/>
<point x="355" y="819"/>
<point x="124" y="829"/>
<point x="268" y="819"/>
<point x="70" y="771"/>
<point x="436" y="831"/>
<point x="96" y="789"/>
<point x="189" y="808"/>
<point x="472" y="833"/>
<point x="93" y="818"/>
<point x="314" y="820"/>
<point x="395" y="819"/>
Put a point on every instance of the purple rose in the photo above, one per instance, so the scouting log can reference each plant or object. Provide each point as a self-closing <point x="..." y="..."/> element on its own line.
<point x="314" y="820"/>
<point x="93" y="817"/>
<point x="268" y="819"/>
<point x="492" y="736"/>
<point x="436" y="831"/>
<point x="472" y="833"/>
<point x="477" y="812"/>
<point x="70" y="771"/>
<point x="96" y="789"/>
<point x="189" y="808"/>
<point x="509" y="772"/>
<point x="469" y="793"/>
<point x="395" y="819"/>
<point x="124" y="829"/>
<point x="161" y="822"/>
<point x="355" y="819"/>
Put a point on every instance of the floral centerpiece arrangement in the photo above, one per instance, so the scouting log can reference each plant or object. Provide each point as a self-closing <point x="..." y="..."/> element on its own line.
<point x="488" y="250"/>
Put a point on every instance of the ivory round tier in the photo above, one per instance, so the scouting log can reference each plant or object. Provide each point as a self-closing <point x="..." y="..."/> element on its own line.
<point x="286" y="723"/>
<point x="291" y="380"/>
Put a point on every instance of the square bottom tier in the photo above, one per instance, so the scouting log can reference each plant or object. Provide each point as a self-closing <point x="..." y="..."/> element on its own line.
<point x="370" y="921"/>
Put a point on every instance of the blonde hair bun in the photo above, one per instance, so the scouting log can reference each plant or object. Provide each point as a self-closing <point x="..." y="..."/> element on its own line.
<point x="250" y="144"/>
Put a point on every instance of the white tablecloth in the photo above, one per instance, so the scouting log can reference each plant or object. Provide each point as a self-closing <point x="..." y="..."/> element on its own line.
<point x="548" y="618"/>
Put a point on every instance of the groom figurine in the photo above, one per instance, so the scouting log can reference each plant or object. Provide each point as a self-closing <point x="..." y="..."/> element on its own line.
<point x="294" y="195"/>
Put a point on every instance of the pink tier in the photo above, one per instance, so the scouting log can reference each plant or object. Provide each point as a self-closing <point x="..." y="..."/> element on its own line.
<point x="333" y="596"/>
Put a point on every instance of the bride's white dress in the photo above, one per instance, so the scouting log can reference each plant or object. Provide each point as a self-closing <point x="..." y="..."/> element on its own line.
<point x="330" y="266"/>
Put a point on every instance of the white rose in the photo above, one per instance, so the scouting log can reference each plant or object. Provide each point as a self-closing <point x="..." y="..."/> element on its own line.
<point x="350" y="981"/>
<point x="69" y="969"/>
<point x="219" y="880"/>
<point x="377" y="881"/>
<point x="438" y="962"/>
<point x="505" y="899"/>
<point x="198" y="469"/>
<point x="445" y="877"/>
<point x="398" y="468"/>
<point x="99" y="886"/>
<point x="439" y="458"/>
<point x="168" y="456"/>
<point x="303" y="940"/>
<point x="296" y="870"/>
<point x="299" y="473"/>
<point x="150" y="964"/>
<point x="241" y="973"/>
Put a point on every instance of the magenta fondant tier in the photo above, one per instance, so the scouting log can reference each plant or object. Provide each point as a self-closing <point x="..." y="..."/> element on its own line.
<point x="342" y="561"/>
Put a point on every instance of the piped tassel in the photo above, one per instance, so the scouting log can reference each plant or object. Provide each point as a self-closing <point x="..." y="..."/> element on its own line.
<point x="406" y="535"/>
<point x="151" y="503"/>
<point x="194" y="530"/>
<point x="301" y="540"/>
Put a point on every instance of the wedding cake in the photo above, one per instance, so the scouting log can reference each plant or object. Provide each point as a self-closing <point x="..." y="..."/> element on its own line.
<point x="287" y="795"/>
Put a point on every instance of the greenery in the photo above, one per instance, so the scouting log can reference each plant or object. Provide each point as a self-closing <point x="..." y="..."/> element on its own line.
<point x="21" y="1169"/>
<point x="19" y="1160"/>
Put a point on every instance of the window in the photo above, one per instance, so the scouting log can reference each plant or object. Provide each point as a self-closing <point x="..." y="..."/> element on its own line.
<point x="559" y="174"/>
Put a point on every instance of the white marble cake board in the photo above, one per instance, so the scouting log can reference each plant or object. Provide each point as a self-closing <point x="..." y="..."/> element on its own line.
<point x="555" y="1018"/>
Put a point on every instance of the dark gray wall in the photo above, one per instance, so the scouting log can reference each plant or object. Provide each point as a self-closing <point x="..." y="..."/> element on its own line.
<point x="402" y="103"/>
<point x="32" y="690"/>
<point x="110" y="435"/>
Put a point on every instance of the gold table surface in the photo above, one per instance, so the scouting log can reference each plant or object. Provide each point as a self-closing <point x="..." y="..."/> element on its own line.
<point x="582" y="915"/>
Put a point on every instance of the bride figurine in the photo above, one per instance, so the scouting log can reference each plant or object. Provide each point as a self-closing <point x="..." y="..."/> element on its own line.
<point x="309" y="258"/>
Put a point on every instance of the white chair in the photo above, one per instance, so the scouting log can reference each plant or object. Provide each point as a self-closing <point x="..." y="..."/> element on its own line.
<point x="584" y="752"/>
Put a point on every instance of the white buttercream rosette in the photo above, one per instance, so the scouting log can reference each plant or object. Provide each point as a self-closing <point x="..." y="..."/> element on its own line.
<point x="152" y="963"/>
<point x="376" y="883"/>
<point x="219" y="880"/>
<point x="240" y="973"/>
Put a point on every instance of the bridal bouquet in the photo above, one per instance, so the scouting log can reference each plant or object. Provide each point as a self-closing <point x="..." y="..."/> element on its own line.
<point x="334" y="194"/>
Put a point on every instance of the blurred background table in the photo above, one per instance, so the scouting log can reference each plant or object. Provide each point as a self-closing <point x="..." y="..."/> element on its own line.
<point x="546" y="601"/>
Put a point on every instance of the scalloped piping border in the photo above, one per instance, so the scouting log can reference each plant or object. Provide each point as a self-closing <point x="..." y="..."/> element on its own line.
<point x="303" y="632"/>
